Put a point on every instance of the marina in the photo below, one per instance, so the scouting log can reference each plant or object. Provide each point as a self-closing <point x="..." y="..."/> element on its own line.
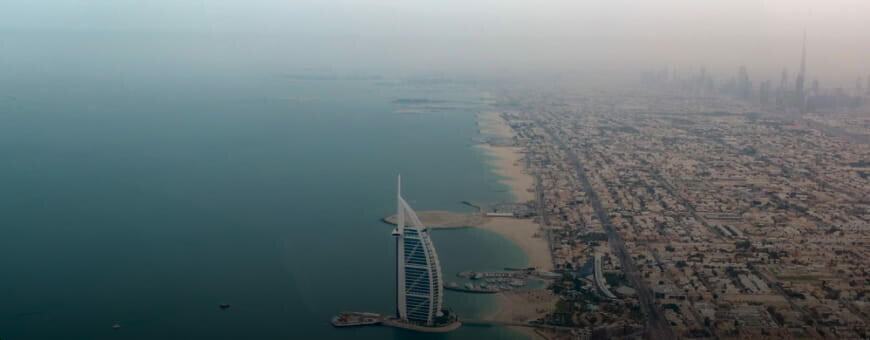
<point x="496" y="282"/>
<point x="472" y="288"/>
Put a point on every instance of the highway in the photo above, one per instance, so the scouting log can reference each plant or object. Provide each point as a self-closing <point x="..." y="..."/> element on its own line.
<point x="657" y="326"/>
<point x="599" y="278"/>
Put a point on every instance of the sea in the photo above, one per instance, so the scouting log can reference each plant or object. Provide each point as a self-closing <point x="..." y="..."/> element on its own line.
<point x="146" y="199"/>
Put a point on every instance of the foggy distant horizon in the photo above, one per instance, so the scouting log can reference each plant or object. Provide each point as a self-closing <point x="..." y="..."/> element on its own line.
<point x="595" y="169"/>
<point x="483" y="38"/>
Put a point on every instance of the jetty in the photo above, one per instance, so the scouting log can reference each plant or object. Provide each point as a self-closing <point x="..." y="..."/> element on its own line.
<point x="439" y="219"/>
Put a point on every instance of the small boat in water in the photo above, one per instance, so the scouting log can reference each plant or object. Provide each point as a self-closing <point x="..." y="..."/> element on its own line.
<point x="224" y="305"/>
<point x="116" y="325"/>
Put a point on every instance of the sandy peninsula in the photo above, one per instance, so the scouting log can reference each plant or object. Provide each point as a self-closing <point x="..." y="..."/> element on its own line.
<point x="524" y="232"/>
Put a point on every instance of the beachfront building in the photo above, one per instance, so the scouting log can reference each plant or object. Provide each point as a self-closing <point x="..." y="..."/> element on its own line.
<point x="419" y="288"/>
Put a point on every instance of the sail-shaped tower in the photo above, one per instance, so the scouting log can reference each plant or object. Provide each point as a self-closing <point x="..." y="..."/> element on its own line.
<point x="419" y="288"/>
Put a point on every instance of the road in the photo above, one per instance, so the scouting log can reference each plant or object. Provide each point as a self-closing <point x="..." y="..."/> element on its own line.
<point x="542" y="213"/>
<point x="657" y="326"/>
<point x="599" y="278"/>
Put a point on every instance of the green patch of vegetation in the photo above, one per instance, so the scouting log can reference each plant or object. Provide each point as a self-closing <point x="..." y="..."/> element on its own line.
<point x="591" y="237"/>
<point x="671" y="306"/>
<point x="615" y="279"/>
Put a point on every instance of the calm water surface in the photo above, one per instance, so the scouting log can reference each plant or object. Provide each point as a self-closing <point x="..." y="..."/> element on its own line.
<point x="148" y="200"/>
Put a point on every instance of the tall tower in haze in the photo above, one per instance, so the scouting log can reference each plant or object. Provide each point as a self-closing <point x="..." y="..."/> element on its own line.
<point x="419" y="288"/>
<point x="800" y="96"/>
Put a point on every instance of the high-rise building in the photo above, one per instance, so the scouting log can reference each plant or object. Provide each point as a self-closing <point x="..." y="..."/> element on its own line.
<point x="419" y="288"/>
<point x="744" y="86"/>
<point x="800" y="96"/>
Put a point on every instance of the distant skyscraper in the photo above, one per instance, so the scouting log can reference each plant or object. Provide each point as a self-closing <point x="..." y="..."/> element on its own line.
<point x="419" y="288"/>
<point x="744" y="87"/>
<point x="800" y="96"/>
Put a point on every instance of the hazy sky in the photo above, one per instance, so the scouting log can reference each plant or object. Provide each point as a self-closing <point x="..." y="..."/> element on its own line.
<point x="464" y="36"/>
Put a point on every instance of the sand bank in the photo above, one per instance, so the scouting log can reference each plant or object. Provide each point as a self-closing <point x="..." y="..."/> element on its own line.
<point x="440" y="219"/>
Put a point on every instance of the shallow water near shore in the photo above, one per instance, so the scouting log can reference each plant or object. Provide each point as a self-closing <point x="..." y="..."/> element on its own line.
<point x="150" y="201"/>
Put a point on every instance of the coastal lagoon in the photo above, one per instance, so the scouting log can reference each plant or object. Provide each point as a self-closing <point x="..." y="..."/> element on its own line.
<point x="148" y="199"/>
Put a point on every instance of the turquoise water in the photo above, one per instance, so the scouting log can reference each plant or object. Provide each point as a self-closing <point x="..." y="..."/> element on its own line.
<point x="149" y="199"/>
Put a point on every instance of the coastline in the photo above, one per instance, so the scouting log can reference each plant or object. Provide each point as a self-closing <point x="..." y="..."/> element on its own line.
<point x="525" y="234"/>
<point x="508" y="161"/>
<point x="518" y="306"/>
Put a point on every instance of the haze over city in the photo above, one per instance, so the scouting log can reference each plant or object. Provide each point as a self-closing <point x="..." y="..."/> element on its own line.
<point x="384" y="169"/>
<point x="485" y="37"/>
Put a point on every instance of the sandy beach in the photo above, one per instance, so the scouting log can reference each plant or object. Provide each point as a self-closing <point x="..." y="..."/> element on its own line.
<point x="509" y="163"/>
<point x="518" y="306"/>
<point x="491" y="123"/>
<point x="524" y="306"/>
<point x="527" y="235"/>
<point x="508" y="160"/>
<point x="514" y="306"/>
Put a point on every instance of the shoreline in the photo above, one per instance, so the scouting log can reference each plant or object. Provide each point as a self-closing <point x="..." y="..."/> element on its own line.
<point x="521" y="306"/>
<point x="507" y="161"/>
